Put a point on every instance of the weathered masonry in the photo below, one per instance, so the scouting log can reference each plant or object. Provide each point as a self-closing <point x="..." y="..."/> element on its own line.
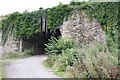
<point x="82" y="29"/>
<point x="78" y="27"/>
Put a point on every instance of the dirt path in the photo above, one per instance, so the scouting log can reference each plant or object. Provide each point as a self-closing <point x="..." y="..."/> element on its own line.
<point x="31" y="67"/>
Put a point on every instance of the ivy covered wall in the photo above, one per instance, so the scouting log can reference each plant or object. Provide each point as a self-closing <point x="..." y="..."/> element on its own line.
<point x="26" y="25"/>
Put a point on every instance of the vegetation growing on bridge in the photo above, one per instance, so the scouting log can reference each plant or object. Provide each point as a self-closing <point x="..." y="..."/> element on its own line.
<point x="64" y="54"/>
<point x="81" y="61"/>
<point x="27" y="24"/>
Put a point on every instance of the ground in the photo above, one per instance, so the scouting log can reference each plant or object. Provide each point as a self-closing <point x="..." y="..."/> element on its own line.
<point x="31" y="67"/>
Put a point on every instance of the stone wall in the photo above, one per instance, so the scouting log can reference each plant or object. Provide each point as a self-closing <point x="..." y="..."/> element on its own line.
<point x="10" y="46"/>
<point x="82" y="29"/>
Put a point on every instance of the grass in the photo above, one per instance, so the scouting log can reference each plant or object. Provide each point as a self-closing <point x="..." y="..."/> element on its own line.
<point x="2" y="73"/>
<point x="55" y="71"/>
<point x="0" y="70"/>
<point x="15" y="55"/>
<point x="82" y="61"/>
<point x="59" y="73"/>
<point x="46" y="64"/>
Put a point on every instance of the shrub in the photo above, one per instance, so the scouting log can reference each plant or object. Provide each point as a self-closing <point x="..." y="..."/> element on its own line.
<point x="57" y="46"/>
<point x="97" y="61"/>
<point x="83" y="61"/>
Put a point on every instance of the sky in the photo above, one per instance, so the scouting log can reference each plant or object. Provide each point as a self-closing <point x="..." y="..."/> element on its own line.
<point x="10" y="6"/>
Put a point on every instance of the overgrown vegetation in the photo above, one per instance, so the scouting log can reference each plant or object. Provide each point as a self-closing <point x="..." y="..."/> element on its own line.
<point x="64" y="55"/>
<point x="16" y="55"/>
<point x="26" y="25"/>
<point x="57" y="14"/>
<point x="2" y="73"/>
<point x="0" y="70"/>
<point x="82" y="61"/>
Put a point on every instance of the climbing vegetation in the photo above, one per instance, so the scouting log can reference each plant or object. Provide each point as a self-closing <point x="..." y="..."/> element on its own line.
<point x="22" y="25"/>
<point x="26" y="25"/>
<point x="64" y="55"/>
<point x="82" y="61"/>
<point x="57" y="14"/>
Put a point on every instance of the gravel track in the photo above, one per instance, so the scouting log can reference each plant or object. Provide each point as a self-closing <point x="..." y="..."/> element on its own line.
<point x="31" y="67"/>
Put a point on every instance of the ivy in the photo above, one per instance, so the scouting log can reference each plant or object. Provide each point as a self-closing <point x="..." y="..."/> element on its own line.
<point x="22" y="25"/>
<point x="107" y="16"/>
<point x="26" y="25"/>
<point x="57" y="14"/>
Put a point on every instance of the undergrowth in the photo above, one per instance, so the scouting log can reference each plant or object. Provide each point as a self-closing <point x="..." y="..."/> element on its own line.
<point x="0" y="70"/>
<point x="71" y="60"/>
<point x="2" y="73"/>
<point x="15" y="55"/>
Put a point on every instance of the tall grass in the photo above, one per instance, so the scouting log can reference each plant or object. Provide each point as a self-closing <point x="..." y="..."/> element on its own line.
<point x="0" y="70"/>
<point x="16" y="55"/>
<point x="82" y="61"/>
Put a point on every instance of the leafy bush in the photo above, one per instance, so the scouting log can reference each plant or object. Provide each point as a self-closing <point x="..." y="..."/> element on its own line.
<point x="57" y="46"/>
<point x="84" y="61"/>
<point x="97" y="61"/>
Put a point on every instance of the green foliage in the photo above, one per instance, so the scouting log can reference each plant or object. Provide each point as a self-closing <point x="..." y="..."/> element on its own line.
<point x="95" y="61"/>
<point x="57" y="46"/>
<point x="16" y="55"/>
<point x="107" y="16"/>
<point x="8" y="26"/>
<point x="57" y="14"/>
<point x="82" y="75"/>
<point x="26" y="25"/>
<point x="22" y="25"/>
